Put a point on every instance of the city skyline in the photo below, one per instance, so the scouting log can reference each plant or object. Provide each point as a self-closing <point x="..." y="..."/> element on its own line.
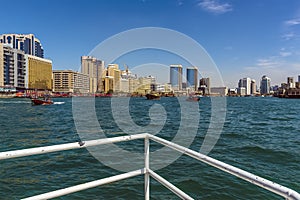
<point x="245" y="39"/>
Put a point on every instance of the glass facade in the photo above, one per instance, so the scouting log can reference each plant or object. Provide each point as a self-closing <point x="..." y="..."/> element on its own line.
<point x="176" y="76"/>
<point x="191" y="77"/>
<point x="265" y="85"/>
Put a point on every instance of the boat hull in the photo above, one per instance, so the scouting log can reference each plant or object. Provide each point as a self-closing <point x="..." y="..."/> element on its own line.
<point x="41" y="102"/>
<point x="152" y="96"/>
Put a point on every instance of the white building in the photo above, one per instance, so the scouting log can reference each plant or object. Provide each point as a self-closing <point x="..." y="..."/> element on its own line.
<point x="245" y="83"/>
<point x="12" y="67"/>
<point x="219" y="91"/>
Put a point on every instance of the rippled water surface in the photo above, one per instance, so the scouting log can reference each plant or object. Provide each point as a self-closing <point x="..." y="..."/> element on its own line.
<point x="260" y="135"/>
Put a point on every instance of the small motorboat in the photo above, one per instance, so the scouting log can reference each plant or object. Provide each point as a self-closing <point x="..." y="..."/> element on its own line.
<point x="153" y="96"/>
<point x="193" y="98"/>
<point x="45" y="101"/>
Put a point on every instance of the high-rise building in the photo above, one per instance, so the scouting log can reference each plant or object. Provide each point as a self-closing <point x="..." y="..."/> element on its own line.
<point x="265" y="85"/>
<point x="205" y="85"/>
<point x="241" y="91"/>
<point x="1" y="66"/>
<point x="176" y="77"/>
<point x="253" y="87"/>
<point x="24" y="42"/>
<point x="39" y="74"/>
<point x="299" y="78"/>
<point x="70" y="81"/>
<point x="94" y="68"/>
<point x="245" y="83"/>
<point x="12" y="67"/>
<point x="192" y="78"/>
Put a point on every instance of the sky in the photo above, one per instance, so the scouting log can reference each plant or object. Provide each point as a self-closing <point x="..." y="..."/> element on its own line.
<point x="243" y="38"/>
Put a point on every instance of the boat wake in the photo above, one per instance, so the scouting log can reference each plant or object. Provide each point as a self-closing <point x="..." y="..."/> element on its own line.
<point x="58" y="103"/>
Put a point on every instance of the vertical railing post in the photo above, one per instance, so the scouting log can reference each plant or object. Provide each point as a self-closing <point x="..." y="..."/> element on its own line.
<point x="147" y="176"/>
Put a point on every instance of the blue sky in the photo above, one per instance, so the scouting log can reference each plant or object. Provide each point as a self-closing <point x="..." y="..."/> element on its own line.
<point x="244" y="38"/>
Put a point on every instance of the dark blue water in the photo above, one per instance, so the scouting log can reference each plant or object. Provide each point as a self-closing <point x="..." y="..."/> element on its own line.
<point x="260" y="135"/>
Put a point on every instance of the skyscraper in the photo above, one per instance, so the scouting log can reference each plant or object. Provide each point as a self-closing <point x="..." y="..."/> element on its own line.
<point x="253" y="86"/>
<point x="24" y="42"/>
<point x="265" y="85"/>
<point x="245" y="83"/>
<point x="176" y="77"/>
<point x="94" y="68"/>
<point x="192" y="77"/>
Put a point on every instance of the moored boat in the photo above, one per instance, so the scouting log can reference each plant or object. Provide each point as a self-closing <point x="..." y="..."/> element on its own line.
<point x="153" y="96"/>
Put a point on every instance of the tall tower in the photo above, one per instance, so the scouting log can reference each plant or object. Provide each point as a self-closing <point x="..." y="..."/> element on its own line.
<point x="192" y="77"/>
<point x="245" y="83"/>
<point x="94" y="68"/>
<point x="176" y="77"/>
<point x="265" y="85"/>
<point x="253" y="86"/>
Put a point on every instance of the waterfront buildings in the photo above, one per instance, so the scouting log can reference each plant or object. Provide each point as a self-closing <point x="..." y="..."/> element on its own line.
<point x="290" y="89"/>
<point x="22" y="65"/>
<point x="24" y="42"/>
<point x="94" y="69"/>
<point x="241" y="91"/>
<point x="114" y="72"/>
<point x="124" y="85"/>
<point x="39" y="74"/>
<point x="133" y="85"/>
<point x="176" y="77"/>
<point x="12" y="67"/>
<point x="290" y="82"/>
<point x="265" y="85"/>
<point x="146" y="85"/>
<point x="219" y="91"/>
<point x="164" y="88"/>
<point x="246" y="87"/>
<point x="192" y="78"/>
<point x="68" y="81"/>
<point x="253" y="87"/>
<point x="111" y="79"/>
<point x="205" y="86"/>
<point x="245" y="83"/>
<point x="24" y="71"/>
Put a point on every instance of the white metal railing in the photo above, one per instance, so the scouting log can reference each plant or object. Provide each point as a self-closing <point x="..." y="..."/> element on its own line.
<point x="261" y="182"/>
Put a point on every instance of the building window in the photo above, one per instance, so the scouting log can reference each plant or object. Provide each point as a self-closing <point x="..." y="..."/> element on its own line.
<point x="8" y="39"/>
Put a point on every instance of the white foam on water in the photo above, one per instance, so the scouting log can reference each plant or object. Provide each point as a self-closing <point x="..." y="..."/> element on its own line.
<point x="58" y="103"/>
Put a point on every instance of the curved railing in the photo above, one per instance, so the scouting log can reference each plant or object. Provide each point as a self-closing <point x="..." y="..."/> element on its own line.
<point x="146" y="171"/>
